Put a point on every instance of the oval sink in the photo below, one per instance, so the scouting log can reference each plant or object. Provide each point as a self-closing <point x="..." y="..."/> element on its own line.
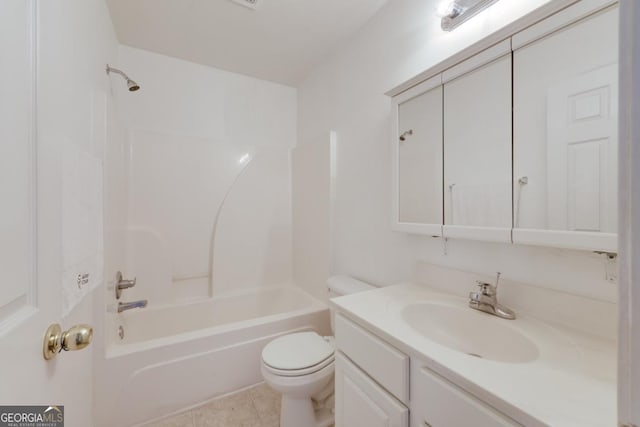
<point x="471" y="332"/>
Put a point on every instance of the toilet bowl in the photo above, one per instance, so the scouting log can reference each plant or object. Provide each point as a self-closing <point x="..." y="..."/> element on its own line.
<point x="300" y="366"/>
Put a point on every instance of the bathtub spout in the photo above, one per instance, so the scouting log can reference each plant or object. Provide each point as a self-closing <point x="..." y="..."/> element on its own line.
<point x="122" y="306"/>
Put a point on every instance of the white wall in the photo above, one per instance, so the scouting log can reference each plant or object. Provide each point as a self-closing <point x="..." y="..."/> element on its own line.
<point x="312" y="193"/>
<point x="345" y="94"/>
<point x="204" y="148"/>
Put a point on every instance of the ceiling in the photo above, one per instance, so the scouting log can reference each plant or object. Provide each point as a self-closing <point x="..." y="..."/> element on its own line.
<point x="281" y="41"/>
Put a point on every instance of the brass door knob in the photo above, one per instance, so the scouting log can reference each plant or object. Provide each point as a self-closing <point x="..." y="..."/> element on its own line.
<point x="76" y="338"/>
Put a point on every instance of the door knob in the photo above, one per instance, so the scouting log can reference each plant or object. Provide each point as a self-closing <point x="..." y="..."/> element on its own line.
<point x="76" y="338"/>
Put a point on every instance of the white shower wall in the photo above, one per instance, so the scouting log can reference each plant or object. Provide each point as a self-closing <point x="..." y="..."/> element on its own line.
<point x="202" y="144"/>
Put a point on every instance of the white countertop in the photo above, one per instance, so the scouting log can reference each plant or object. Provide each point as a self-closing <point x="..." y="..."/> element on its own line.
<point x="572" y="382"/>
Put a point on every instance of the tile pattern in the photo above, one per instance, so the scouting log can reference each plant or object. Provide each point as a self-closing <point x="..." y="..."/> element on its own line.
<point x="258" y="406"/>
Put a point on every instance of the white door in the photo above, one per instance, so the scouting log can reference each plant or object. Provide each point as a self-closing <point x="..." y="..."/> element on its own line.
<point x="362" y="402"/>
<point x="582" y="144"/>
<point x="25" y="301"/>
<point x="30" y="230"/>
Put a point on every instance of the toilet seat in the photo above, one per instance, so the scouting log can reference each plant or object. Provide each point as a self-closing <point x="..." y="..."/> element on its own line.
<point x="299" y="372"/>
<point x="297" y="354"/>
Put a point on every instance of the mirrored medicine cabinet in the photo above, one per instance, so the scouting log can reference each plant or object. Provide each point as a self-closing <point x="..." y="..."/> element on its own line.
<point x="418" y="153"/>
<point x="517" y="141"/>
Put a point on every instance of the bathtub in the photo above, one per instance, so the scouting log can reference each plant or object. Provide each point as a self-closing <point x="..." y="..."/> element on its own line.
<point x="175" y="357"/>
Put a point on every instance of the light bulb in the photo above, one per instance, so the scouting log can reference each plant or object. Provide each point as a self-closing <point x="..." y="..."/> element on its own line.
<point x="446" y="8"/>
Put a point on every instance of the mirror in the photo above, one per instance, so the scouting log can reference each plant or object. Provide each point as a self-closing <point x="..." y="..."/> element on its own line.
<point x="565" y="130"/>
<point x="419" y="158"/>
<point x="477" y="150"/>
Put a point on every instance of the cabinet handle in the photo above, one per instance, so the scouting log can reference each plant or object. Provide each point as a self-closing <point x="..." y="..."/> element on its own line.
<point x="425" y="423"/>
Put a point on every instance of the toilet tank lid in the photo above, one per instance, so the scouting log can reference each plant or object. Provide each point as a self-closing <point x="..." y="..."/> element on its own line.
<point x="345" y="285"/>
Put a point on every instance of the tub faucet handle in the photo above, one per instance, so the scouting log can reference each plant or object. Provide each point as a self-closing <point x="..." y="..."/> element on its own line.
<point x="123" y="306"/>
<point x="123" y="284"/>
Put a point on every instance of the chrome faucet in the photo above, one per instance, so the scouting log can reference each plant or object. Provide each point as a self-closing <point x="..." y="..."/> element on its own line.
<point x="122" y="284"/>
<point x="487" y="300"/>
<point x="123" y="306"/>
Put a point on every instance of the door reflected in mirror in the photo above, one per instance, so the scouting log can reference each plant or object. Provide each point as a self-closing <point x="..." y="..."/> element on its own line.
<point x="565" y="128"/>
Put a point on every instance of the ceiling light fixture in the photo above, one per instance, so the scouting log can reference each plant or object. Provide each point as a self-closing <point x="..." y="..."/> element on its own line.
<point x="456" y="12"/>
<point x="251" y="4"/>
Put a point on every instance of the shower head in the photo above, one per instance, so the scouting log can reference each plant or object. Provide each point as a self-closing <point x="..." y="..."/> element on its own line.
<point x="404" y="135"/>
<point x="131" y="85"/>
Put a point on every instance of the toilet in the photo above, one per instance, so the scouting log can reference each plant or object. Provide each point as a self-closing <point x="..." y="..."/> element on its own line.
<point x="300" y="366"/>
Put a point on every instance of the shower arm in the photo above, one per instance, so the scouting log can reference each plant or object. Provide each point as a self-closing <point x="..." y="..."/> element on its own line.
<point x="110" y="69"/>
<point x="131" y="85"/>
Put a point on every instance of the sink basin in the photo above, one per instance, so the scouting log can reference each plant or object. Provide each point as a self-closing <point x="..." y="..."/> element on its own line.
<point x="470" y="331"/>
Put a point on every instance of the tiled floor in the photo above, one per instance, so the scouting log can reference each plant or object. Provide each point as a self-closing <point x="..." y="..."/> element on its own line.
<point x="256" y="407"/>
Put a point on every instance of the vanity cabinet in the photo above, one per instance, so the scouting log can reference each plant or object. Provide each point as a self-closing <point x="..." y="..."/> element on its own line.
<point x="362" y="402"/>
<point x="373" y="381"/>
<point x="440" y="403"/>
<point x="388" y="366"/>
<point x="528" y="132"/>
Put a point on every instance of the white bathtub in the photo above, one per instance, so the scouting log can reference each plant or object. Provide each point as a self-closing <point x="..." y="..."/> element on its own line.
<point x="175" y="357"/>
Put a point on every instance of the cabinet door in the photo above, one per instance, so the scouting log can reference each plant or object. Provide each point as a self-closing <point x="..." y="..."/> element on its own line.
<point x="565" y="136"/>
<point x="477" y="152"/>
<point x="361" y="402"/>
<point x="435" y="402"/>
<point x="417" y="160"/>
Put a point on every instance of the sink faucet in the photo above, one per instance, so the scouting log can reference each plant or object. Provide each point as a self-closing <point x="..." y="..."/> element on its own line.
<point x="122" y="306"/>
<point x="487" y="300"/>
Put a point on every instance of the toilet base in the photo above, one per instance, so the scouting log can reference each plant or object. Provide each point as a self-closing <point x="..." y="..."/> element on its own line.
<point x="299" y="412"/>
<point x="324" y="417"/>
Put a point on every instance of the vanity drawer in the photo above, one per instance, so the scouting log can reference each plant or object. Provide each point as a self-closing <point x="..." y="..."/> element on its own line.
<point x="436" y="402"/>
<point x="382" y="362"/>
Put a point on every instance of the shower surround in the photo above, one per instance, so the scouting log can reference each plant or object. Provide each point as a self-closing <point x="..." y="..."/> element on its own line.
<point x="198" y="209"/>
<point x="204" y="169"/>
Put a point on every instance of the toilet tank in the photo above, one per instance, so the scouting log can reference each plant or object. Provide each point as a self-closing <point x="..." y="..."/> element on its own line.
<point x="345" y="285"/>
